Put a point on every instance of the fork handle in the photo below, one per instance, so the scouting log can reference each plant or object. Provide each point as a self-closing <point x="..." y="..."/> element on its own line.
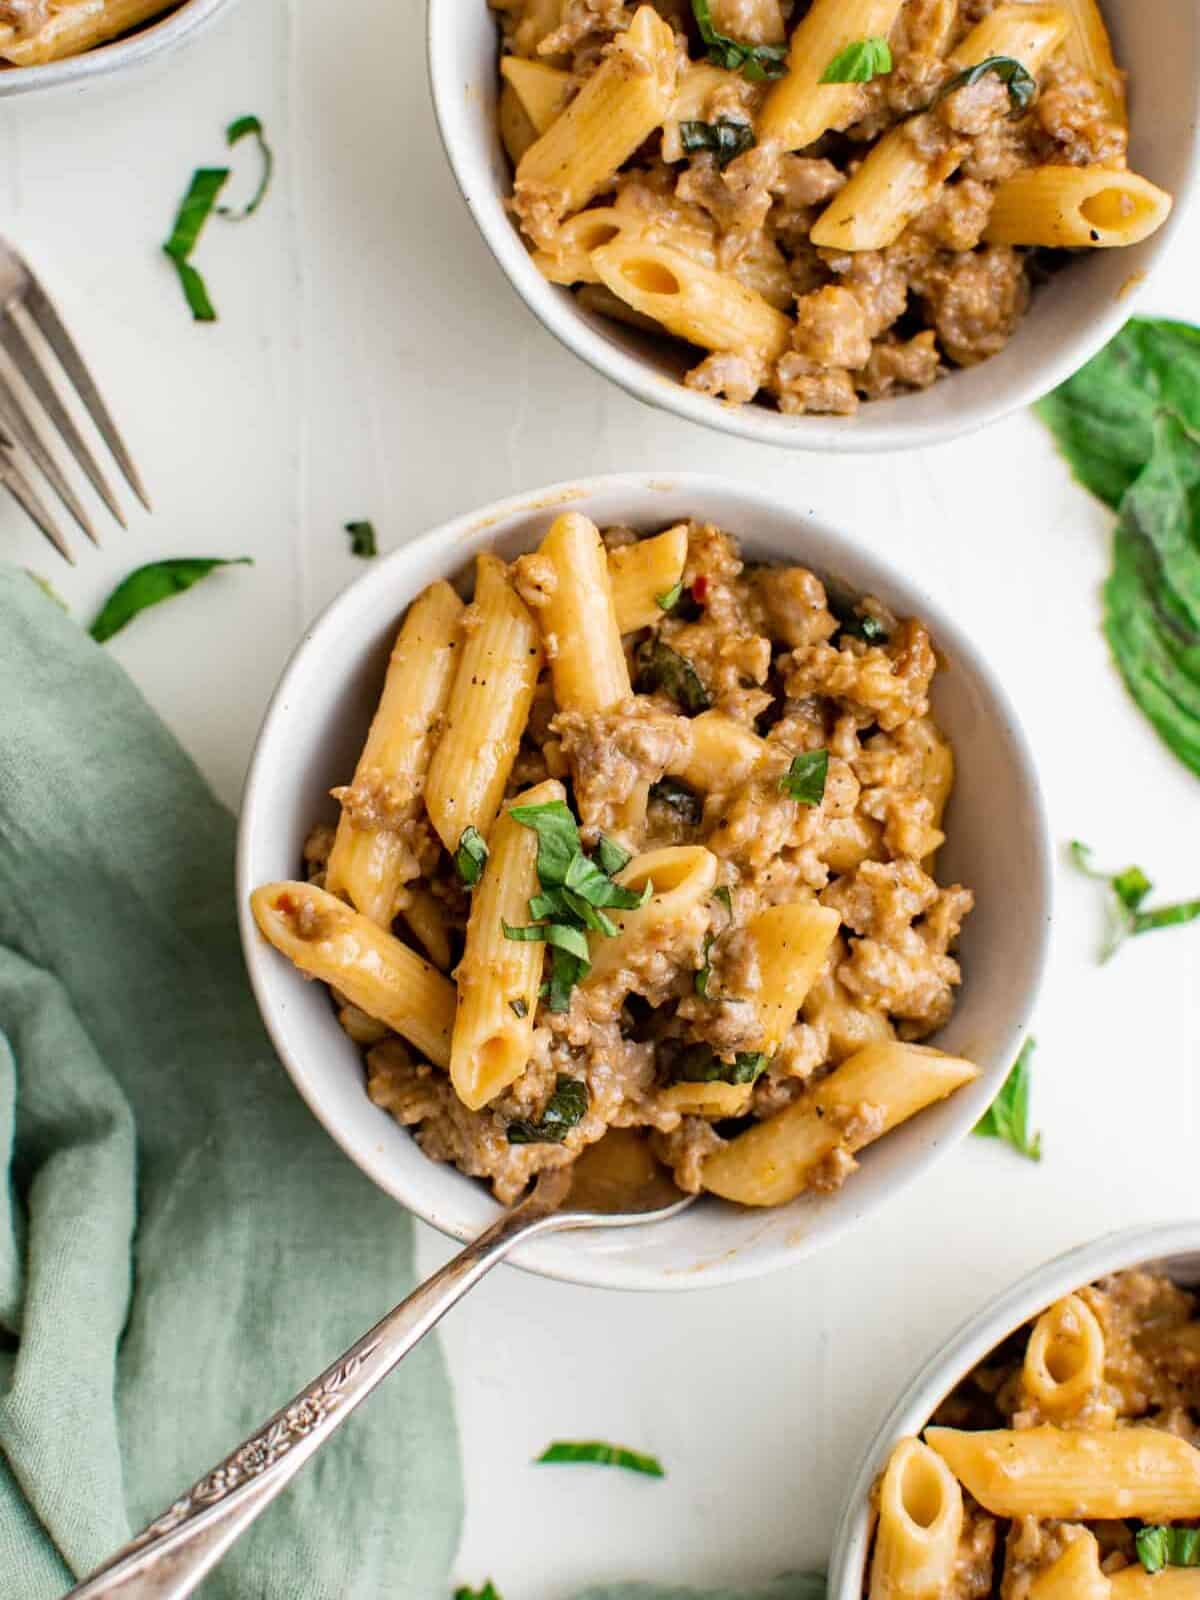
<point x="168" y="1559"/>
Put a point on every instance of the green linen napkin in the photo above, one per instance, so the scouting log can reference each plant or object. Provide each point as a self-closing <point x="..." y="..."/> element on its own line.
<point x="181" y="1244"/>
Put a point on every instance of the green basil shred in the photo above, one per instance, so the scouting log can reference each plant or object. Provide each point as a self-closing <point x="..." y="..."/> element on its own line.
<point x="805" y="779"/>
<point x="471" y="856"/>
<point x="669" y="600"/>
<point x="1021" y="85"/>
<point x="660" y="667"/>
<point x="753" y="61"/>
<point x="199" y="203"/>
<point x="488" y="1592"/>
<point x="1127" y="915"/>
<point x="860" y="61"/>
<point x="685" y="802"/>
<point x="146" y="586"/>
<point x="565" y="1107"/>
<point x="1007" y="1117"/>
<point x="699" y="1063"/>
<point x="241" y="128"/>
<point x="594" y="1452"/>
<point x="362" y="539"/>
<point x="723" y="139"/>
<point x="1158" y="1547"/>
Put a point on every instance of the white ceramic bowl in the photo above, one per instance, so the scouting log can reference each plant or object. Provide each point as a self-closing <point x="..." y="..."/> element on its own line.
<point x="1173" y="1247"/>
<point x="997" y="843"/>
<point x="1069" y="320"/>
<point x="156" y="39"/>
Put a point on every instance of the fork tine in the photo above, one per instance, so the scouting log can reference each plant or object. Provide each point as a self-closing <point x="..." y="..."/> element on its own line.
<point x="24" y="432"/>
<point x="41" y="308"/>
<point x="27" y="497"/>
<point x="14" y="341"/>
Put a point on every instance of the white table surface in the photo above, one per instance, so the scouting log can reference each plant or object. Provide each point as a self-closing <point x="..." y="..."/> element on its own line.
<point x="371" y="362"/>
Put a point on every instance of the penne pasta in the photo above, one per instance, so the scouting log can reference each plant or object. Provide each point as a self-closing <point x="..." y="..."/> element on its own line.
<point x="372" y="856"/>
<point x="1091" y="208"/>
<point x="1064" y="1359"/>
<point x="800" y="108"/>
<point x="642" y="574"/>
<point x="74" y="26"/>
<point x="920" y="1523"/>
<point x="578" y="619"/>
<point x="1076" y="1575"/>
<point x="1089" y="47"/>
<point x="1053" y="1472"/>
<point x="542" y="90"/>
<point x="373" y="970"/>
<point x="498" y="978"/>
<point x="708" y="1099"/>
<point x="517" y="133"/>
<point x="487" y="709"/>
<point x="790" y="944"/>
<point x="424" y="915"/>
<point x="683" y="877"/>
<point x="1028" y="31"/>
<point x="721" y="754"/>
<point x="1132" y="1583"/>
<point x="872" y="1092"/>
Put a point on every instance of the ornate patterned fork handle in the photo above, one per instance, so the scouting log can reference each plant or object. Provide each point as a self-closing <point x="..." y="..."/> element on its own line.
<point x="170" y="1557"/>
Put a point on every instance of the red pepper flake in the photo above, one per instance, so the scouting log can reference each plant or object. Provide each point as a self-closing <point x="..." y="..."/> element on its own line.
<point x="285" y="904"/>
<point x="700" y="590"/>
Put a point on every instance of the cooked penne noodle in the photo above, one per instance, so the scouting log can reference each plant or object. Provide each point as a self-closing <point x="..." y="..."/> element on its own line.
<point x="542" y="91"/>
<point x="711" y="309"/>
<point x="760" y="21"/>
<point x="1064" y="1359"/>
<point x="898" y="179"/>
<point x="708" y="1099"/>
<point x="1093" y="208"/>
<point x="373" y="970"/>
<point x="578" y="619"/>
<point x="75" y="26"/>
<point x="697" y="83"/>
<point x="721" y="754"/>
<point x="1054" y="1472"/>
<point x="871" y="1093"/>
<point x="1076" y="1575"/>
<point x="372" y="856"/>
<point x="642" y="574"/>
<point x="1088" y="45"/>
<point x="487" y="709"/>
<point x="425" y="917"/>
<point x="1132" y="1583"/>
<point x="517" y="133"/>
<point x="683" y="876"/>
<point x="790" y="943"/>
<point x="498" y="978"/>
<point x="800" y="108"/>
<point x="920" y="1523"/>
<point x="619" y="106"/>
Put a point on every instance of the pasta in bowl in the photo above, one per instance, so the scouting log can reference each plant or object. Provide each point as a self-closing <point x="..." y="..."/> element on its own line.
<point x="44" y="43"/>
<point x="815" y="206"/>
<point x="1051" y="1451"/>
<point x="639" y="884"/>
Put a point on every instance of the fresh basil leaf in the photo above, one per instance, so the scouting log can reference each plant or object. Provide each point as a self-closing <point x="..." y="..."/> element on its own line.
<point x="1021" y="85"/>
<point x="1159" y="1547"/>
<point x="685" y="802"/>
<point x="362" y="539"/>
<point x="566" y="970"/>
<point x="724" y="139"/>
<point x="588" y="915"/>
<point x="699" y="1063"/>
<point x="586" y="879"/>
<point x="1008" y="1116"/>
<point x="612" y="857"/>
<point x="1151" y="1545"/>
<point x="753" y="61"/>
<point x="669" y="600"/>
<point x="723" y="894"/>
<point x="47" y="589"/>
<point x="592" y="1452"/>
<point x="558" y="934"/>
<point x="147" y="585"/>
<point x="241" y="128"/>
<point x="566" y="1107"/>
<point x="1129" y="889"/>
<point x="557" y="836"/>
<point x="1166" y="916"/>
<point x="660" y="667"/>
<point x="471" y="857"/>
<point x="488" y="1592"/>
<point x="805" y="779"/>
<point x="860" y="61"/>
<point x="701" y="978"/>
<point x="194" y="211"/>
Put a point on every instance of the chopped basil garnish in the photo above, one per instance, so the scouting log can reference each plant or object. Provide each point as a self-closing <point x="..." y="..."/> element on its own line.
<point x="199" y="204"/>
<point x="559" y="934"/>
<point x="703" y="977"/>
<point x="859" y="62"/>
<point x="362" y="539"/>
<point x="611" y="856"/>
<point x="565" y="1107"/>
<point x="669" y="600"/>
<point x="1160" y="1547"/>
<point x="753" y="61"/>
<point x="592" y="1452"/>
<point x="1129" y="889"/>
<point x="146" y="586"/>
<point x="660" y="667"/>
<point x="1021" y="86"/>
<point x="699" y="1063"/>
<point x="488" y="1592"/>
<point x="518" y="1008"/>
<point x="723" y="894"/>
<point x="724" y="139"/>
<point x="557" y="837"/>
<point x="805" y="779"/>
<point x="1007" y="1117"/>
<point x="685" y="802"/>
<point x="471" y="856"/>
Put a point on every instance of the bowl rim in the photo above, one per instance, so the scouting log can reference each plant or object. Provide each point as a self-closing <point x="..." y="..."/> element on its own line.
<point x="861" y="434"/>
<point x="149" y="41"/>
<point x="627" y="1272"/>
<point x="967" y="1346"/>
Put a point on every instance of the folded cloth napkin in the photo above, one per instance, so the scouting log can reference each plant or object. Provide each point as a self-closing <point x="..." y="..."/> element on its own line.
<point x="181" y="1245"/>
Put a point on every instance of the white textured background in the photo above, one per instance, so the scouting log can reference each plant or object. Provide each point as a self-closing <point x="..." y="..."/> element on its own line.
<point x="371" y="362"/>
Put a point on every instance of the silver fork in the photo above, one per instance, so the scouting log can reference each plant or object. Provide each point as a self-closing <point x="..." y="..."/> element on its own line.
<point x="167" y="1560"/>
<point x="27" y="314"/>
